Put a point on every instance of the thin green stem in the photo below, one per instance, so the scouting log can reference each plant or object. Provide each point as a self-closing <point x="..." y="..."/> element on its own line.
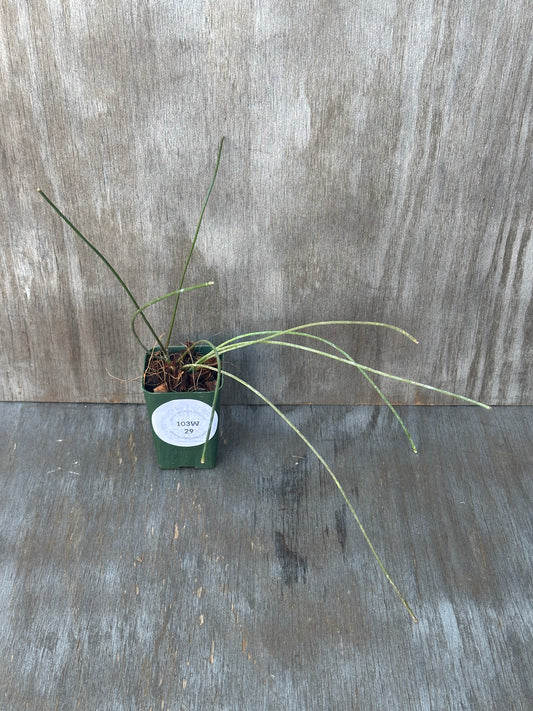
<point x="191" y="250"/>
<point x="390" y="406"/>
<point x="368" y="369"/>
<point x="105" y="261"/>
<point x="140" y="310"/>
<point x="218" y="385"/>
<point x="351" y="362"/>
<point x="335" y="480"/>
<point x="369" y="380"/>
<point x="266" y="335"/>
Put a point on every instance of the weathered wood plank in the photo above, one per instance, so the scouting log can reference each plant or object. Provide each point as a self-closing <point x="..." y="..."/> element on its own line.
<point x="377" y="166"/>
<point x="249" y="586"/>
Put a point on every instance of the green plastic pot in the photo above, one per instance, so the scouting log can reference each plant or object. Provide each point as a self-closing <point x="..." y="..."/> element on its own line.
<point x="179" y="423"/>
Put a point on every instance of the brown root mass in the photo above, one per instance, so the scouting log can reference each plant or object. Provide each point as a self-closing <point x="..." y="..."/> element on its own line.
<point x="173" y="375"/>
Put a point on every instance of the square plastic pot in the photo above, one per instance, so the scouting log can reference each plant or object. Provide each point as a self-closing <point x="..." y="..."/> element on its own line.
<point x="179" y="423"/>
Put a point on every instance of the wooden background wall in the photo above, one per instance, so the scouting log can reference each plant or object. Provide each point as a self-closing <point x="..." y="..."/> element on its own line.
<point x="377" y="165"/>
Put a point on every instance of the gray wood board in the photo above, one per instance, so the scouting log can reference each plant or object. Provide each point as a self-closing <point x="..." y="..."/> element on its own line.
<point x="249" y="586"/>
<point x="378" y="166"/>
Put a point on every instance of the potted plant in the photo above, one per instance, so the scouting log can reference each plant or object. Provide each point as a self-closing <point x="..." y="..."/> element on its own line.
<point x="181" y="384"/>
<point x="182" y="401"/>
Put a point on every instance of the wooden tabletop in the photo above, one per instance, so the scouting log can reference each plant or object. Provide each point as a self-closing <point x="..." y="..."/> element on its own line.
<point x="250" y="586"/>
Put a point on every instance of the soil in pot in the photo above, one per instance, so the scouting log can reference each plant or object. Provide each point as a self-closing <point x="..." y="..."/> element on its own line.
<point x="168" y="375"/>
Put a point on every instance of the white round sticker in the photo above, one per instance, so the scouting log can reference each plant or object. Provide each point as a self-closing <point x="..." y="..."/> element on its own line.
<point x="184" y="423"/>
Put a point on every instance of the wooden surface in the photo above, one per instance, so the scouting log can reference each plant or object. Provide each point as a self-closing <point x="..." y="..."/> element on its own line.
<point x="249" y="586"/>
<point x="377" y="166"/>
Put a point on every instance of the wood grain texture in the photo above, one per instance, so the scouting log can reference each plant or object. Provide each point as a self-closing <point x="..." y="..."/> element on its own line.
<point x="249" y="586"/>
<point x="378" y="165"/>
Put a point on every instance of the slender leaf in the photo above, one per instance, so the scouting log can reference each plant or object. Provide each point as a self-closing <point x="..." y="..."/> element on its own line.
<point x="335" y="480"/>
<point x="193" y="245"/>
<point x="218" y="385"/>
<point x="140" y="310"/>
<point x="106" y="262"/>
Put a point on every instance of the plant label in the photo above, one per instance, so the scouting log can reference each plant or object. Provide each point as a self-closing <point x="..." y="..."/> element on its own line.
<point x="184" y="423"/>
